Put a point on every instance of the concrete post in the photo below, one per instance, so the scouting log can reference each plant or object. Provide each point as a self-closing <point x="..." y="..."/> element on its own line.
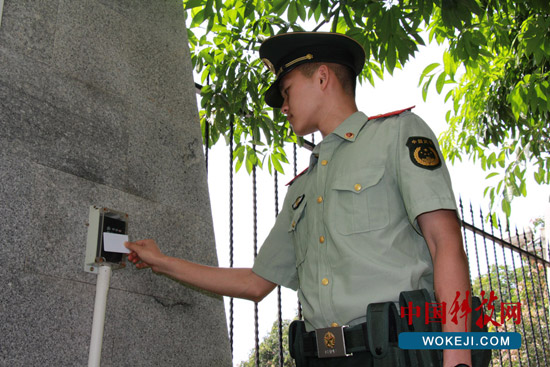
<point x="97" y="107"/>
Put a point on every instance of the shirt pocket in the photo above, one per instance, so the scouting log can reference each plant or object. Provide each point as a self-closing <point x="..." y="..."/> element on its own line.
<point x="298" y="231"/>
<point x="361" y="201"/>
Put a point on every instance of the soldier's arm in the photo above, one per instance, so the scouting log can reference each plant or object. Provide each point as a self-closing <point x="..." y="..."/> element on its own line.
<point x="441" y="230"/>
<point x="231" y="282"/>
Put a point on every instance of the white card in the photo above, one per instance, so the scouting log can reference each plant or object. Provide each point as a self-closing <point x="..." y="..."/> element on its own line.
<point x="114" y="242"/>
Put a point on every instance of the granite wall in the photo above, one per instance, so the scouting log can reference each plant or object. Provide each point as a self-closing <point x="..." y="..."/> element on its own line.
<point x="97" y="107"/>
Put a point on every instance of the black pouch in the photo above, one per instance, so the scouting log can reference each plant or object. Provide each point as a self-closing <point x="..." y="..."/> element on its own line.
<point x="382" y="335"/>
<point x="419" y="357"/>
<point x="296" y="331"/>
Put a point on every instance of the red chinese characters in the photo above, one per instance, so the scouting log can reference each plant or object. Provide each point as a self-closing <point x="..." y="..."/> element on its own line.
<point x="437" y="312"/>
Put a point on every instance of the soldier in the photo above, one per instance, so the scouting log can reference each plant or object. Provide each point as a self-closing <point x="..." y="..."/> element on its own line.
<point x="373" y="215"/>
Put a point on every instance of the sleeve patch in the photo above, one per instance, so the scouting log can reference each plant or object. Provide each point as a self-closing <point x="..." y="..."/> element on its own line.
<point x="423" y="153"/>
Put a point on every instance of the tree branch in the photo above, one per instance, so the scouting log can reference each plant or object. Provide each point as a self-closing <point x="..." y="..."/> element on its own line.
<point x="325" y="21"/>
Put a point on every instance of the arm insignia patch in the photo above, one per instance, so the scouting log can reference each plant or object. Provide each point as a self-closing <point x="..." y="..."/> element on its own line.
<point x="423" y="153"/>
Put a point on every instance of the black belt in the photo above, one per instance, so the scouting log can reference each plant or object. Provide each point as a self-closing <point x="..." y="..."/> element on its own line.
<point x="355" y="339"/>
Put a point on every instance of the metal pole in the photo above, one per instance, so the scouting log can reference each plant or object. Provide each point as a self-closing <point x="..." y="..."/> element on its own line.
<point x="102" y="288"/>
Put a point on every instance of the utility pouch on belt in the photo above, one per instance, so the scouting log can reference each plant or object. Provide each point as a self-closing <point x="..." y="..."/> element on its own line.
<point x="296" y="331"/>
<point x="382" y="331"/>
<point x="432" y="357"/>
<point x="420" y="357"/>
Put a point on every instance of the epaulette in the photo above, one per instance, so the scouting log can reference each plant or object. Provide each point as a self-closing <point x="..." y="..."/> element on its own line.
<point x="294" y="179"/>
<point x="393" y="113"/>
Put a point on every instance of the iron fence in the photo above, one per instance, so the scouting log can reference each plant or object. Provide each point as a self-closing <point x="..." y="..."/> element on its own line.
<point x="513" y="266"/>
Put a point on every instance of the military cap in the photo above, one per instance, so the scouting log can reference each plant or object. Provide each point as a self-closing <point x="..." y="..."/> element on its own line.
<point x="284" y="52"/>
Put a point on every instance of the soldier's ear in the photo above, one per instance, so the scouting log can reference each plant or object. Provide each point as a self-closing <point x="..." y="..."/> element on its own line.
<point x="323" y="75"/>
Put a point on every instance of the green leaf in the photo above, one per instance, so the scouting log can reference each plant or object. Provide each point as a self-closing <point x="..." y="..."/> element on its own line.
<point x="277" y="164"/>
<point x="391" y="57"/>
<point x="539" y="176"/>
<point x="209" y="10"/>
<point x="523" y="188"/>
<point x="494" y="221"/>
<point x="347" y="17"/>
<point x="425" y="88"/>
<point x="325" y="8"/>
<point x="428" y="69"/>
<point x="301" y="11"/>
<point x="292" y="12"/>
<point x="249" y="10"/>
<point x="506" y="208"/>
<point x="190" y="4"/>
<point x="198" y="18"/>
<point x="280" y="6"/>
<point x="440" y="82"/>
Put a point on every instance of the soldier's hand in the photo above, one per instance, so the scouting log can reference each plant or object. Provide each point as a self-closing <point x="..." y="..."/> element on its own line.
<point x="145" y="253"/>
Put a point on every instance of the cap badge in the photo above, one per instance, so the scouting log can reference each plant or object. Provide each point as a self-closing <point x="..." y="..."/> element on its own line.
<point x="423" y="153"/>
<point x="269" y="65"/>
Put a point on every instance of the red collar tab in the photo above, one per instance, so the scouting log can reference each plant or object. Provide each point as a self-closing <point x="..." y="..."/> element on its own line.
<point x="294" y="179"/>
<point x="394" y="113"/>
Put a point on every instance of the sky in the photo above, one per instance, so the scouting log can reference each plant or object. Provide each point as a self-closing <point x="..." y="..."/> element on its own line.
<point x="393" y="93"/>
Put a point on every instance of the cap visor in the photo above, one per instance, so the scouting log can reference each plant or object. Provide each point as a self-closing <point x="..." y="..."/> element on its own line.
<point x="273" y="96"/>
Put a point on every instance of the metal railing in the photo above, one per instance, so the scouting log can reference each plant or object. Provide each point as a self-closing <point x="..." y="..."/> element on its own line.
<point x="512" y="265"/>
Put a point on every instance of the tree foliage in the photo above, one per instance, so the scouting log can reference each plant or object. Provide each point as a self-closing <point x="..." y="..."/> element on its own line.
<point x="498" y="67"/>
<point x="269" y="349"/>
<point x="495" y="69"/>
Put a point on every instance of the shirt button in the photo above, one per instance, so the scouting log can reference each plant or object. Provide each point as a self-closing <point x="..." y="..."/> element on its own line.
<point x="322" y="239"/>
<point x="320" y="199"/>
<point x="350" y="135"/>
<point x="324" y="281"/>
<point x="334" y="324"/>
<point x="293" y="224"/>
<point x="324" y="162"/>
<point x="358" y="187"/>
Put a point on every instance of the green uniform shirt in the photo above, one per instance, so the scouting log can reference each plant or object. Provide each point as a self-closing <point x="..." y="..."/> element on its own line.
<point x="347" y="234"/>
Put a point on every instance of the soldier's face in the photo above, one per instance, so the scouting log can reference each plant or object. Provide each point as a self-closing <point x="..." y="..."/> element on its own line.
<point x="300" y="103"/>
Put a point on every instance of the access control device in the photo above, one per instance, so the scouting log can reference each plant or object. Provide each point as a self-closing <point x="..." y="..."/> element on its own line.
<point x="104" y="220"/>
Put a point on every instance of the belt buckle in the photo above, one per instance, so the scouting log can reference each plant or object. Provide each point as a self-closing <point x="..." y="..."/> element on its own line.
<point x="331" y="342"/>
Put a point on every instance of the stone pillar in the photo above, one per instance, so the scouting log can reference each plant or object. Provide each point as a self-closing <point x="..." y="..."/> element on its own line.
<point x="97" y="107"/>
